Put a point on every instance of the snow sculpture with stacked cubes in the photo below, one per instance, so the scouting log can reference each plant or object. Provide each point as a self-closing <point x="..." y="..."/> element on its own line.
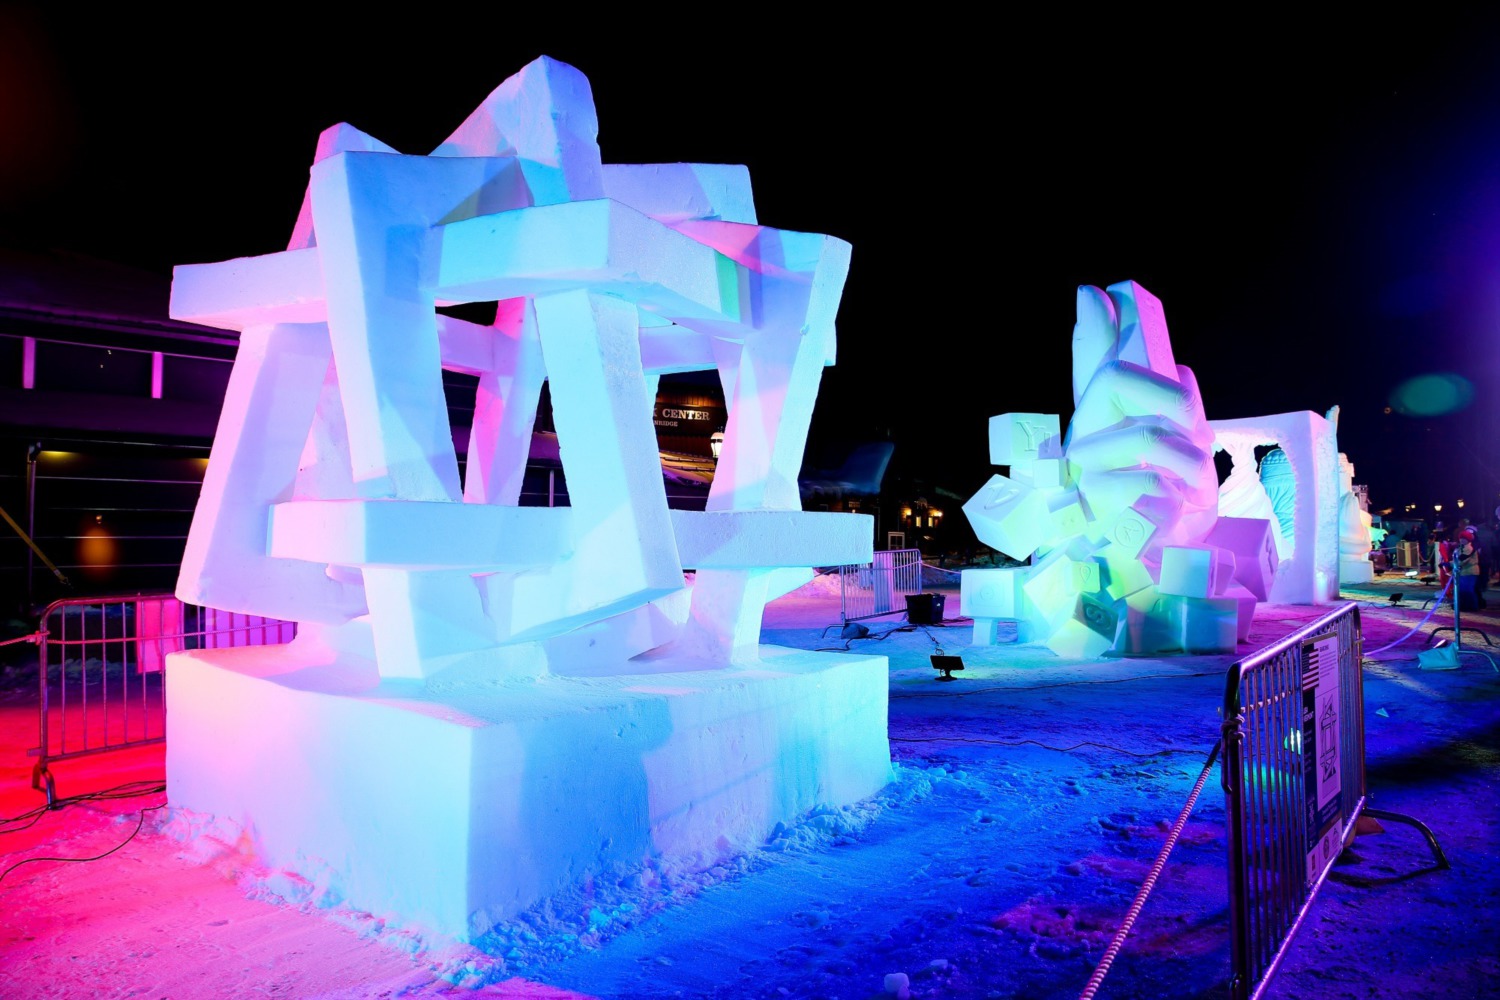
<point x="1119" y="517"/>
<point x="487" y="702"/>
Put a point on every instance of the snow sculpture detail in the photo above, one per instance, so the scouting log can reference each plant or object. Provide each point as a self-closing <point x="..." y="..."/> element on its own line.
<point x="1300" y="475"/>
<point x="1279" y="481"/>
<point x="1243" y="494"/>
<point x="1356" y="538"/>
<point x="487" y="703"/>
<point x="1120" y="518"/>
<point x="335" y="440"/>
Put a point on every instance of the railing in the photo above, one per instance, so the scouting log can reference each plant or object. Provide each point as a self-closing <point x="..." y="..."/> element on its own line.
<point x="1294" y="783"/>
<point x="881" y="587"/>
<point x="101" y="670"/>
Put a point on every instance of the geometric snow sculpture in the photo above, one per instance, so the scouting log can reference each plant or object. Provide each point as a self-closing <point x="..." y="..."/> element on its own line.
<point x="1116" y="526"/>
<point x="1019" y="439"/>
<point x="1188" y="570"/>
<point x="1301" y="477"/>
<point x="1251" y="541"/>
<point x="992" y="593"/>
<point x="596" y="295"/>
<point x="1053" y="587"/>
<point x="990" y="596"/>
<point x="1210" y="624"/>
<point x="1009" y="516"/>
<point x="334" y="497"/>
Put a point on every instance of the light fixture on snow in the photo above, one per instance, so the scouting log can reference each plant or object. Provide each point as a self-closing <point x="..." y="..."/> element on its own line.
<point x="947" y="663"/>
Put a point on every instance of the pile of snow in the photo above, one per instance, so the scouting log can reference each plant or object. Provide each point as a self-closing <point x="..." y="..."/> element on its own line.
<point x="821" y="585"/>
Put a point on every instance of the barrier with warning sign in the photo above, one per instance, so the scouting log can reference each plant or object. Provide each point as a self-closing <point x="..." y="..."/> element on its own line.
<point x="1294" y="783"/>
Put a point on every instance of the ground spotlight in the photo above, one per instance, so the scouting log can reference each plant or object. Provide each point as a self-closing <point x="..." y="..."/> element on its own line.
<point x="947" y="664"/>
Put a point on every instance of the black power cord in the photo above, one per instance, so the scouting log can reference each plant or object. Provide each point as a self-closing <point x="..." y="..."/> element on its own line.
<point x="128" y="790"/>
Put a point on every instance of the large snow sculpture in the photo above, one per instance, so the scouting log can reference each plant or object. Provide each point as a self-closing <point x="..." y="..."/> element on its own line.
<point x="462" y="724"/>
<point x="1120" y="518"/>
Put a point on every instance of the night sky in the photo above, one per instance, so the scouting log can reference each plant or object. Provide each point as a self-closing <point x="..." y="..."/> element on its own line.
<point x="1316" y="204"/>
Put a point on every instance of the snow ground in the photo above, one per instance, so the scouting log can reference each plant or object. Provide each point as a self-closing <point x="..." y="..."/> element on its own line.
<point x="1029" y="801"/>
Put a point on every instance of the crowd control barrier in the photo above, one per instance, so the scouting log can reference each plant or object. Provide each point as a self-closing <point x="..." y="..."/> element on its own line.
<point x="101" y="670"/>
<point x="877" y="588"/>
<point x="1294" y="783"/>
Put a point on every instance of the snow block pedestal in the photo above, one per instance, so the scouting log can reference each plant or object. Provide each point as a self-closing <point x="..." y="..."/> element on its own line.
<point x="447" y="810"/>
<point x="1353" y="570"/>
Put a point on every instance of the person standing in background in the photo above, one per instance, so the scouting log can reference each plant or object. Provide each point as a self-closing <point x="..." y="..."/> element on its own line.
<point x="1465" y="556"/>
<point x="1441" y="558"/>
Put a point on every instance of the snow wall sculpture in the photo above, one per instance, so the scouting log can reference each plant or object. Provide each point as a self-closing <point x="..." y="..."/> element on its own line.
<point x="1119" y="518"/>
<point x="462" y="725"/>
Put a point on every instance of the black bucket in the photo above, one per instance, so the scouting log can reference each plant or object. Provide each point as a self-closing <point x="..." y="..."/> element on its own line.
<point x="924" y="609"/>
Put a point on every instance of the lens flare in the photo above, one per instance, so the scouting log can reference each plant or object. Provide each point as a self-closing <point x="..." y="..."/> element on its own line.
<point x="1432" y="395"/>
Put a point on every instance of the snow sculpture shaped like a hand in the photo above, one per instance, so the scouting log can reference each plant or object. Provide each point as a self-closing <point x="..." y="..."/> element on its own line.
<point x="1120" y="517"/>
<point x="1138" y="435"/>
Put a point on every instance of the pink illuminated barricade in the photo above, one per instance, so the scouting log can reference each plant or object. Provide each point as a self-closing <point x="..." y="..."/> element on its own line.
<point x="544" y="675"/>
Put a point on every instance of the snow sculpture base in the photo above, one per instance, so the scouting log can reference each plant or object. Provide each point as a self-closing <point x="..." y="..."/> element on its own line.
<point x="449" y="810"/>
<point x="1356" y="570"/>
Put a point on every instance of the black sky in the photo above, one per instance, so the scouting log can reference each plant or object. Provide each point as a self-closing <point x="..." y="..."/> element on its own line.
<point x="1316" y="204"/>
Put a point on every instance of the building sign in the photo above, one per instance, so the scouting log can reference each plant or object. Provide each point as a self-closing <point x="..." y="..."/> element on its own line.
<point x="1320" y="751"/>
<point x="689" y="419"/>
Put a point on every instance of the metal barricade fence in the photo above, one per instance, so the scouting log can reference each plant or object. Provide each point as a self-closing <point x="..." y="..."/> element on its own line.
<point x="101" y="670"/>
<point x="869" y="590"/>
<point x="1294" y="784"/>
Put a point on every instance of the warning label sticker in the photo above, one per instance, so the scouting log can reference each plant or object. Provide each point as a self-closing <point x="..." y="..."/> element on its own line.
<point x="1320" y="749"/>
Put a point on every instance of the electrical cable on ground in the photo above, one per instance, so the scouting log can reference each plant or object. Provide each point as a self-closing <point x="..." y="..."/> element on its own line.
<point x="1044" y="746"/>
<point x="1043" y="687"/>
<point x="1140" y="897"/>
<point x="1417" y="627"/>
<point x="128" y="790"/>
<point x="139" y="823"/>
<point x="877" y="636"/>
